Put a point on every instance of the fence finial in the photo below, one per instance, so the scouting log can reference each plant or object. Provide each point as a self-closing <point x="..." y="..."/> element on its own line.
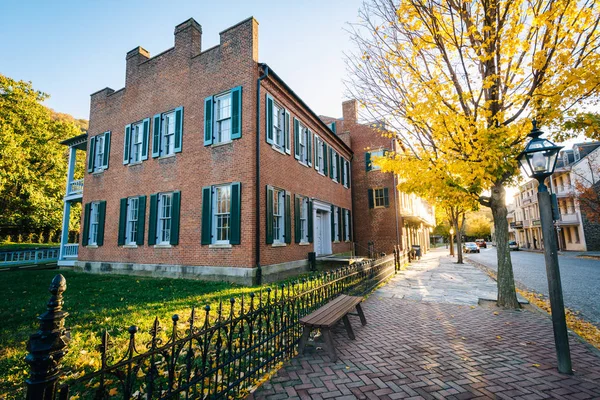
<point x="48" y="345"/>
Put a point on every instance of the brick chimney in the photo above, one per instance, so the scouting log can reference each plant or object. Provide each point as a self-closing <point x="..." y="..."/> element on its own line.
<point x="133" y="59"/>
<point x="188" y="38"/>
<point x="350" y="111"/>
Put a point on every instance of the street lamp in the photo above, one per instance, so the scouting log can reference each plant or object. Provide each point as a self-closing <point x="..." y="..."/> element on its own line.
<point x="452" y="241"/>
<point x="538" y="161"/>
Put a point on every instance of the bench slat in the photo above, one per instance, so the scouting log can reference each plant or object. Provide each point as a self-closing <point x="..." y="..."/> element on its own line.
<point x="331" y="313"/>
<point x="323" y="309"/>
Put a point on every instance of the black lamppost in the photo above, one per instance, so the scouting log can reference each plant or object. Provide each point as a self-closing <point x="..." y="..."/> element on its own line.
<point x="538" y="161"/>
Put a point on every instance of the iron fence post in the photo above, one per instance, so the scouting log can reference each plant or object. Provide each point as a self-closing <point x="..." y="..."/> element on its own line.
<point x="48" y="345"/>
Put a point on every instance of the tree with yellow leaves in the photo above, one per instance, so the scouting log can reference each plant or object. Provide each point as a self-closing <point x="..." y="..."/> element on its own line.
<point x="458" y="81"/>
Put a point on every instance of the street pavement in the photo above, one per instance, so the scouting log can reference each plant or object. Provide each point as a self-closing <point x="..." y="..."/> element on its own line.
<point x="580" y="277"/>
<point x="424" y="342"/>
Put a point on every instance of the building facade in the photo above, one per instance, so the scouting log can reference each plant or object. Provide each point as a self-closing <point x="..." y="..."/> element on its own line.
<point x="208" y="165"/>
<point x="579" y="164"/>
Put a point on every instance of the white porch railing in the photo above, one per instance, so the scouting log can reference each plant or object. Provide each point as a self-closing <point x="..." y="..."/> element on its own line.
<point x="75" y="187"/>
<point x="35" y="256"/>
<point x="70" y="250"/>
<point x="569" y="218"/>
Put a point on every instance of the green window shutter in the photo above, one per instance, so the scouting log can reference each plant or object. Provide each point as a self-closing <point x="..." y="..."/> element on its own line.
<point x="126" y="142"/>
<point x="269" y="213"/>
<point x="342" y="172"/>
<point x="175" y="211"/>
<point x="338" y="160"/>
<point x="236" y="112"/>
<point x="368" y="161"/>
<point x="386" y="198"/>
<point x="349" y="225"/>
<point x="178" y="129"/>
<point x="208" y="121"/>
<point x="332" y="126"/>
<point x="269" y="130"/>
<point x="156" y="127"/>
<point x="296" y="139"/>
<point x="349" y="177"/>
<point x="106" y="150"/>
<point x="236" y="214"/>
<point x="145" y="138"/>
<point x="152" y="221"/>
<point x="286" y="133"/>
<point x="297" y="205"/>
<point x="122" y="222"/>
<point x="309" y="216"/>
<point x="86" y="224"/>
<point x="371" y="199"/>
<point x="141" y="222"/>
<point x="325" y="159"/>
<point x="316" y="151"/>
<point x="309" y="154"/>
<point x="332" y="218"/>
<point x="91" y="154"/>
<point x="342" y="227"/>
<point x="206" y="215"/>
<point x="331" y="162"/>
<point x="288" y="218"/>
<point x="101" y="219"/>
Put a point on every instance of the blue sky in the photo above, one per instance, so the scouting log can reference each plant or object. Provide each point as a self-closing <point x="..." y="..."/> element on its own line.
<point x="70" y="49"/>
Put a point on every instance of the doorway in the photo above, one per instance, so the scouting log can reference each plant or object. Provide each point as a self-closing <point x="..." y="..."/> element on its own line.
<point x="322" y="228"/>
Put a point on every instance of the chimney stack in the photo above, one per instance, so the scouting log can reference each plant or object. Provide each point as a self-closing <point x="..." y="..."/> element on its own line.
<point x="188" y="38"/>
<point x="134" y="58"/>
<point x="350" y="112"/>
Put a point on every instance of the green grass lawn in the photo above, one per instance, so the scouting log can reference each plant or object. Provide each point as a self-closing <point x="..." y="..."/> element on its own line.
<point x="26" y="246"/>
<point x="95" y="302"/>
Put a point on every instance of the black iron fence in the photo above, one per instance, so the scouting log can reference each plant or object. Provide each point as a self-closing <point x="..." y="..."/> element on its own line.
<point x="219" y="353"/>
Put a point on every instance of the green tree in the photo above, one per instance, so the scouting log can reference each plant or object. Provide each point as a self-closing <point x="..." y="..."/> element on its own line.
<point x="478" y="226"/>
<point x="33" y="163"/>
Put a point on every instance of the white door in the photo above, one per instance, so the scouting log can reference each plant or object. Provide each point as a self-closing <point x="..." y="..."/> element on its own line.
<point x="318" y="235"/>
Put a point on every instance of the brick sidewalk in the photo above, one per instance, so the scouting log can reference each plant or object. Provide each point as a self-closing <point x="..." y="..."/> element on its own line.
<point x="427" y="350"/>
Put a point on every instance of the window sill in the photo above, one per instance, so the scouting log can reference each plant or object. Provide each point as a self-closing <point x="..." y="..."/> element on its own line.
<point x="279" y="245"/>
<point x="134" y="163"/>
<point x="221" y="143"/>
<point x="336" y="241"/>
<point x="167" y="156"/>
<point x="322" y="174"/>
<point x="279" y="149"/>
<point x="162" y="246"/>
<point x="305" y="164"/>
<point x="96" y="173"/>
<point x="130" y="246"/>
<point x="92" y="246"/>
<point x="304" y="244"/>
<point x="219" y="246"/>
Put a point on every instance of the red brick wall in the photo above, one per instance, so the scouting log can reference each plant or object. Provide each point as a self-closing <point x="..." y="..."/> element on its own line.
<point x="183" y="76"/>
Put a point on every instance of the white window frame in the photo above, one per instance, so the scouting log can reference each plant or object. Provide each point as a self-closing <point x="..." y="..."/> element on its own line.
<point x="302" y="142"/>
<point x="347" y="226"/>
<point x="278" y="215"/>
<point x="319" y="164"/>
<point x="336" y="225"/>
<point x="137" y="141"/>
<point x="221" y="217"/>
<point x="278" y="118"/>
<point x="303" y="220"/>
<point x="378" y="153"/>
<point x="167" y="134"/>
<point x="99" y="153"/>
<point x="334" y="163"/>
<point x="222" y="135"/>
<point x="378" y="194"/>
<point x="94" y="223"/>
<point x="165" y="217"/>
<point x="132" y="220"/>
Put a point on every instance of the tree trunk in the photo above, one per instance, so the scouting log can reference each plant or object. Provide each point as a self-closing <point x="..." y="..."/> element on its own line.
<point x="459" y="252"/>
<point x="452" y="245"/>
<point x="507" y="295"/>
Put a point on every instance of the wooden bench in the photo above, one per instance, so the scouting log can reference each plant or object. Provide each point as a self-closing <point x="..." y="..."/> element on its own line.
<point x="326" y="317"/>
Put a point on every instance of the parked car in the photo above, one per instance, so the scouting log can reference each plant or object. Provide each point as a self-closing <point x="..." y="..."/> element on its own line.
<point x="481" y="243"/>
<point x="471" y="247"/>
<point x="512" y="245"/>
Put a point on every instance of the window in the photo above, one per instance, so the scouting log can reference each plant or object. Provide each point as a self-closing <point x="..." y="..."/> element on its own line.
<point x="222" y="214"/>
<point x="132" y="220"/>
<point x="379" y="198"/>
<point x="334" y="166"/>
<point x="303" y="228"/>
<point x="223" y="118"/>
<point x="576" y="153"/>
<point x="347" y="225"/>
<point x="165" y="203"/>
<point x="278" y="125"/>
<point x="167" y="138"/>
<point x="319" y="162"/>
<point x="137" y="140"/>
<point x="336" y="225"/>
<point x="278" y="216"/>
<point x="94" y="223"/>
<point x="302" y="142"/>
<point x="568" y="230"/>
<point x="378" y="153"/>
<point x="99" y="151"/>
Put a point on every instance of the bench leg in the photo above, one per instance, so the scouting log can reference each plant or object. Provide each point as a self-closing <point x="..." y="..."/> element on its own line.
<point x="330" y="345"/>
<point x="348" y="327"/>
<point x="303" y="340"/>
<point x="361" y="315"/>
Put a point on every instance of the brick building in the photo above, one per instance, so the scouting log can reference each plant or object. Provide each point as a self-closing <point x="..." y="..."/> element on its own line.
<point x="383" y="216"/>
<point x="207" y="164"/>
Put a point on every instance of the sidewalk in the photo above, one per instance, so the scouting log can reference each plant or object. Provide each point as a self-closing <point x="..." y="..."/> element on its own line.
<point x="426" y="339"/>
